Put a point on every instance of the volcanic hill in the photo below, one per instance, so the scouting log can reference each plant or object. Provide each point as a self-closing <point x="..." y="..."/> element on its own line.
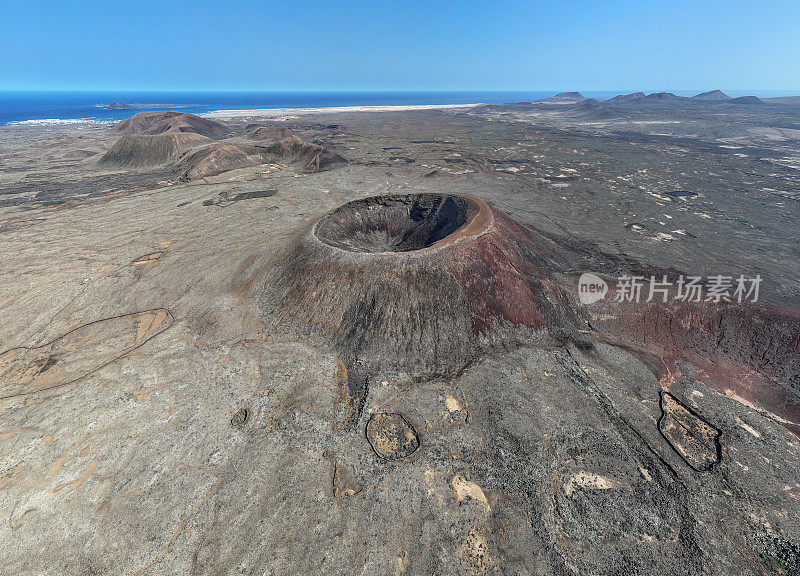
<point x="171" y="121"/>
<point x="184" y="144"/>
<point x="712" y="96"/>
<point x="136" y="151"/>
<point x="414" y="284"/>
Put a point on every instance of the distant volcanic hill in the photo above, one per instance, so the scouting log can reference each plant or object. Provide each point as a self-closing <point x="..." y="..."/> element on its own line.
<point x="171" y="121"/>
<point x="217" y="158"/>
<point x="623" y="98"/>
<point x="288" y="146"/>
<point x="144" y="151"/>
<point x="271" y="133"/>
<point x="418" y="284"/>
<point x="591" y="109"/>
<point x="712" y="96"/>
<point x="664" y="97"/>
<point x="307" y="156"/>
<point x="563" y="98"/>
<point x="746" y="100"/>
<point x="642" y="100"/>
<point x="186" y="143"/>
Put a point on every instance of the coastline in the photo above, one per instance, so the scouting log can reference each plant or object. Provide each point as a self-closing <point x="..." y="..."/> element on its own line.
<point x="57" y="122"/>
<point x="223" y="110"/>
<point x="255" y="113"/>
<point x="289" y="112"/>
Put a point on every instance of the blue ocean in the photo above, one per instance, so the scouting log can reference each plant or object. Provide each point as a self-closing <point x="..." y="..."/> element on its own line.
<point x="24" y="106"/>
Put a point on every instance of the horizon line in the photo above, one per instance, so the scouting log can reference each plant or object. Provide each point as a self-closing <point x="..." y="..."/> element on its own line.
<point x="398" y="90"/>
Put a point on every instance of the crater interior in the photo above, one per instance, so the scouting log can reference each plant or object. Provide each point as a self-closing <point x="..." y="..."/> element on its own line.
<point x="399" y="223"/>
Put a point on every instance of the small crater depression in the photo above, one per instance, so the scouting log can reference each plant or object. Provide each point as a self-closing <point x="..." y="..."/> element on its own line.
<point x="391" y="436"/>
<point x="401" y="223"/>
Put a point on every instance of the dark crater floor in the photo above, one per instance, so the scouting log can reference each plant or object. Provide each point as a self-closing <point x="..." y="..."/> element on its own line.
<point x="401" y="223"/>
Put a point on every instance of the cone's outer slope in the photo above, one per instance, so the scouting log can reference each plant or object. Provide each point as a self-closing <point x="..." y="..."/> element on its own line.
<point x="415" y="283"/>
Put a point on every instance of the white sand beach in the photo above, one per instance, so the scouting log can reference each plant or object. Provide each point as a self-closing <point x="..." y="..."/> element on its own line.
<point x="290" y="112"/>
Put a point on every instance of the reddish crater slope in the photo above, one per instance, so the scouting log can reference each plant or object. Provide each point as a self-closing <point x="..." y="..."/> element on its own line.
<point x="746" y="351"/>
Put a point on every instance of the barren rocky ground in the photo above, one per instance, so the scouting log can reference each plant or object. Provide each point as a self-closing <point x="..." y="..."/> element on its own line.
<point x="194" y="381"/>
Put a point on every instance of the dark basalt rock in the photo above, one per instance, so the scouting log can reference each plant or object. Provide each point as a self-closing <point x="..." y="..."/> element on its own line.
<point x="239" y="418"/>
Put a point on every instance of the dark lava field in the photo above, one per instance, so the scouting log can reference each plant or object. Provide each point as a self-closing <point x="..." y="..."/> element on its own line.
<point x="353" y="342"/>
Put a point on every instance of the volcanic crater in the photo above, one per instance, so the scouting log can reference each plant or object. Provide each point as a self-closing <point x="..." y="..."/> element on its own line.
<point x="398" y="223"/>
<point x="420" y="284"/>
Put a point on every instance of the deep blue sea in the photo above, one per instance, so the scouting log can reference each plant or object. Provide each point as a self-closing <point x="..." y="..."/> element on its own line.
<point x="23" y="106"/>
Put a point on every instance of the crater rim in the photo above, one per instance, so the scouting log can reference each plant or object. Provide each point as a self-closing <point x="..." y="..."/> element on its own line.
<point x="402" y="224"/>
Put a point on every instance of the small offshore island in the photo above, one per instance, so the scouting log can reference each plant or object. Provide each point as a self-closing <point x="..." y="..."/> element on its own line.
<point x="126" y="106"/>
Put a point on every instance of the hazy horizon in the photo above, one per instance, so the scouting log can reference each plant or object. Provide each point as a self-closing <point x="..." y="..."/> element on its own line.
<point x="766" y="93"/>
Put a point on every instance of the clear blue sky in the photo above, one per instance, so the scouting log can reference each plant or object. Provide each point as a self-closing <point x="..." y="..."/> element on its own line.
<point x="428" y="45"/>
